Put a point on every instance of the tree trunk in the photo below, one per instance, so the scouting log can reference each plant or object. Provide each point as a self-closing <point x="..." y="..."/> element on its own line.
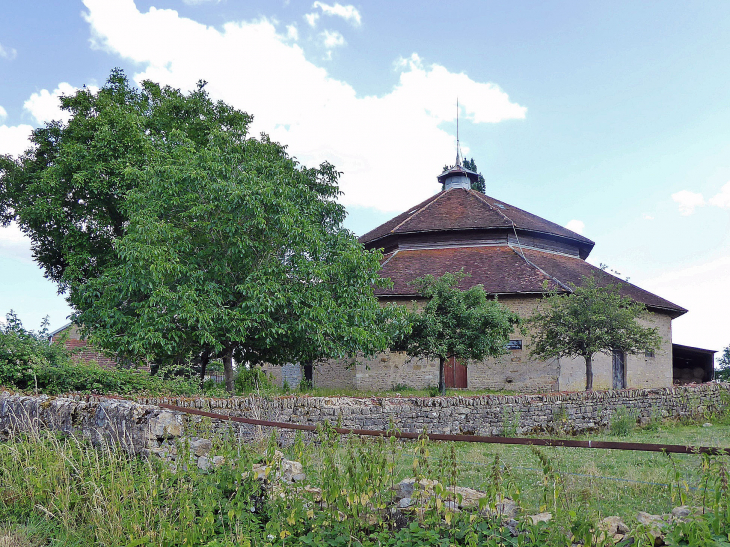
<point x="442" y="379"/>
<point x="228" y="370"/>
<point x="204" y="359"/>
<point x="589" y="372"/>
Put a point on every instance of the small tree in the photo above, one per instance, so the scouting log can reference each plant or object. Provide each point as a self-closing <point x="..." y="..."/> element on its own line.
<point x="591" y="319"/>
<point x="722" y="373"/>
<point x="23" y="352"/>
<point x="480" y="185"/>
<point x="455" y="323"/>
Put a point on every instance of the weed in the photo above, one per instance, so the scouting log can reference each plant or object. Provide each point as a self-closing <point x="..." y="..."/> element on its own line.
<point x="252" y="380"/>
<point x="510" y="421"/>
<point x="560" y="422"/>
<point x="623" y="422"/>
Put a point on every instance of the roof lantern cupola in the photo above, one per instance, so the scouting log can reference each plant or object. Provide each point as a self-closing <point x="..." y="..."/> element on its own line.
<point x="457" y="176"/>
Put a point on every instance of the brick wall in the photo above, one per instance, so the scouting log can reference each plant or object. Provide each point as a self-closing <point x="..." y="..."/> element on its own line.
<point x="81" y="350"/>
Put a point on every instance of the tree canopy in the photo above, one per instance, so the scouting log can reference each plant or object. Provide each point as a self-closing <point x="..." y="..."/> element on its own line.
<point x="463" y="324"/>
<point x="591" y="319"/>
<point x="480" y="184"/>
<point x="178" y="236"/>
<point x="67" y="192"/>
<point x="723" y="371"/>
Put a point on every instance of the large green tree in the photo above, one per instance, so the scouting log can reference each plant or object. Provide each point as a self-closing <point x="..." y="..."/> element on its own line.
<point x="458" y="323"/>
<point x="178" y="237"/>
<point x="67" y="192"/>
<point x="588" y="320"/>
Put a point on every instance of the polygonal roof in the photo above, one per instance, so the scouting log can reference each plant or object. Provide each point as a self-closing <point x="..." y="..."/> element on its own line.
<point x="461" y="209"/>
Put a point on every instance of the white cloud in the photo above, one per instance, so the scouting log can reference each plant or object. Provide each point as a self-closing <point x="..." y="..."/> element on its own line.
<point x="702" y="290"/>
<point x="647" y="216"/>
<point x="8" y="53"/>
<point x="292" y="33"/>
<point x="45" y="105"/>
<point x="722" y="198"/>
<point x="14" y="139"/>
<point x="300" y="105"/>
<point x="688" y="201"/>
<point x="14" y="243"/>
<point x="311" y="18"/>
<point x="348" y="13"/>
<point x="576" y="225"/>
<point x="3" y="114"/>
<point x="332" y="39"/>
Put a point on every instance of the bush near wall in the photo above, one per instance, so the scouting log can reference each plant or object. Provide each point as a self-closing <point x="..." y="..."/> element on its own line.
<point x="28" y="362"/>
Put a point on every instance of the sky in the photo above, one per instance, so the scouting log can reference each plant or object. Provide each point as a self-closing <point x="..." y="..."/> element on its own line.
<point x="610" y="118"/>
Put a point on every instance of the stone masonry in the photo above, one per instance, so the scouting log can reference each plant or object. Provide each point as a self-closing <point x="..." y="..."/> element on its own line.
<point x="516" y="370"/>
<point x="141" y="426"/>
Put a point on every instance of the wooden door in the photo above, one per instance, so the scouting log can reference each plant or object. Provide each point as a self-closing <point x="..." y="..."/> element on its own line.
<point x="619" y="369"/>
<point x="455" y="373"/>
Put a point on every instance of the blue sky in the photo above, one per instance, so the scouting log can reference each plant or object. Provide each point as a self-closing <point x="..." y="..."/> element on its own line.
<point x="612" y="118"/>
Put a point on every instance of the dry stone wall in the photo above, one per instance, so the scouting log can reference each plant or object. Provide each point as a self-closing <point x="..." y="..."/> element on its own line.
<point x="142" y="426"/>
<point x="136" y="427"/>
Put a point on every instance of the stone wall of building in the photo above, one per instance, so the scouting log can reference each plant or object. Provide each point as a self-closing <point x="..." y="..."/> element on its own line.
<point x="141" y="426"/>
<point x="514" y="371"/>
<point x="642" y="371"/>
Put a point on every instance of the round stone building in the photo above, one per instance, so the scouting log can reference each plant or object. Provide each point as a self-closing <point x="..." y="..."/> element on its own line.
<point x="516" y="256"/>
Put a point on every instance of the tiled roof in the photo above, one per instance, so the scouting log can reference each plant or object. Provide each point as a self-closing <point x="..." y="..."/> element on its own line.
<point x="504" y="270"/>
<point x="459" y="209"/>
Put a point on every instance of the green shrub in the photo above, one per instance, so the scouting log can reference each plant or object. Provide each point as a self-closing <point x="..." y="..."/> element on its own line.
<point x="29" y="362"/>
<point x="623" y="422"/>
<point x="23" y="353"/>
<point x="433" y="391"/>
<point x="90" y="377"/>
<point x="252" y="379"/>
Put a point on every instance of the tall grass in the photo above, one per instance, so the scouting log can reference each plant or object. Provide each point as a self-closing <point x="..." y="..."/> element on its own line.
<point x="65" y="490"/>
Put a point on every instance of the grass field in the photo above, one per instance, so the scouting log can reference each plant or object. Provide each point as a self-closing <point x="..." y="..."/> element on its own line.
<point x="59" y="491"/>
<point x="608" y="482"/>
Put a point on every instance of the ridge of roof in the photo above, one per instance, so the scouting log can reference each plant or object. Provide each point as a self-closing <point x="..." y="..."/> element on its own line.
<point x="59" y="329"/>
<point x="428" y="203"/>
<point x="565" y="232"/>
<point x="521" y="254"/>
<point x="397" y="220"/>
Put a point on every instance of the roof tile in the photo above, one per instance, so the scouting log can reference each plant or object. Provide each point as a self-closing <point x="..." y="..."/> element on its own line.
<point x="503" y="270"/>
<point x="459" y="209"/>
